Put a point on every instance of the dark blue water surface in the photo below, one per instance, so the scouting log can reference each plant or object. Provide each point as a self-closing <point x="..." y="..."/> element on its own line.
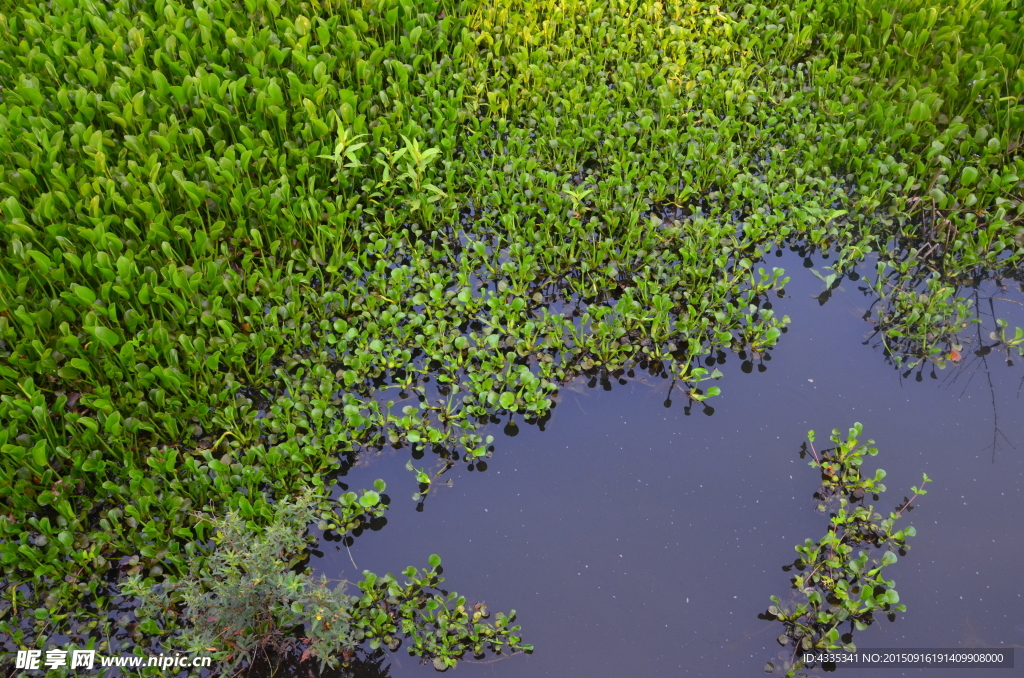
<point x="634" y="539"/>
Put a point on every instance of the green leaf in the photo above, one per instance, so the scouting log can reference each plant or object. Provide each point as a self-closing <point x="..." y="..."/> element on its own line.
<point x="39" y="454"/>
<point x="507" y="399"/>
<point x="968" y="176"/>
<point x="369" y="499"/>
<point x="889" y="558"/>
<point x="920" y="112"/>
<point x="113" y="424"/>
<point x="108" y="337"/>
<point x="213" y="361"/>
<point x="81" y="365"/>
<point x="434" y="560"/>
<point x="84" y="293"/>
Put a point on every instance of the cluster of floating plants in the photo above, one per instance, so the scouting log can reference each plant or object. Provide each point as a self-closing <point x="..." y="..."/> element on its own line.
<point x="924" y="318"/>
<point x="245" y="241"/>
<point x="840" y="577"/>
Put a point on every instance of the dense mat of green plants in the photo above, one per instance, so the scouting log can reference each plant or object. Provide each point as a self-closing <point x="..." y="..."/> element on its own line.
<point x="246" y="240"/>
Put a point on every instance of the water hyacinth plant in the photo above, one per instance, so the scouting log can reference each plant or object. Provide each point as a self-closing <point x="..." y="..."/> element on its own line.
<point x="244" y="241"/>
<point x="840" y="579"/>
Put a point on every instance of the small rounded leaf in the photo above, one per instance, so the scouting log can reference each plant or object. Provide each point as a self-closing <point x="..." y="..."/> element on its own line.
<point x="968" y="176"/>
<point x="434" y="560"/>
<point x="107" y="336"/>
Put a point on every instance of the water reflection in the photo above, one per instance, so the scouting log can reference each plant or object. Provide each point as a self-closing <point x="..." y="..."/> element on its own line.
<point x="375" y="664"/>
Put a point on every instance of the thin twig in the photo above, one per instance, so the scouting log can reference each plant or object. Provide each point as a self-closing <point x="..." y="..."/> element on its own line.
<point x="351" y="558"/>
<point x="900" y="512"/>
<point x="498" y="659"/>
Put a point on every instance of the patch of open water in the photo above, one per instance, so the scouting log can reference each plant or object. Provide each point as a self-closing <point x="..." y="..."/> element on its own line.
<point x="634" y="539"/>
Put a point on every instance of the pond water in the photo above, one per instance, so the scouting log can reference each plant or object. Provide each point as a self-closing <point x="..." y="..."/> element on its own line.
<point x="637" y="539"/>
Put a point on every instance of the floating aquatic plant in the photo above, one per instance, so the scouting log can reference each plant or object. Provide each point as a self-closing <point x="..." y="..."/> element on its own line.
<point x="840" y="578"/>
